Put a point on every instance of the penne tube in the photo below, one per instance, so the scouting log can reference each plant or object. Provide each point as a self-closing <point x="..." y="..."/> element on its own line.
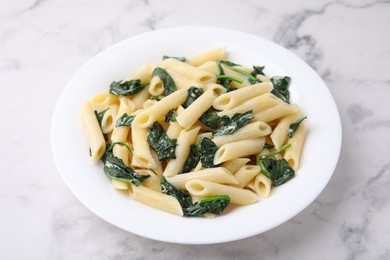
<point x="108" y="120"/>
<point x="245" y="174"/>
<point x="194" y="111"/>
<point x="234" y="98"/>
<point x="262" y="185"/>
<point x="153" y="181"/>
<point x="238" y="149"/>
<point x="210" y="55"/>
<point x="217" y="175"/>
<point x="182" y="82"/>
<point x="142" y="156"/>
<point x="293" y="154"/>
<point x="238" y="196"/>
<point x="250" y="131"/>
<point x="143" y="74"/>
<point x="280" y="132"/>
<point x="185" y="139"/>
<point x="188" y="71"/>
<point x="95" y="137"/>
<point x="256" y="104"/>
<point x="156" y="199"/>
<point x="234" y="165"/>
<point x="280" y="110"/>
<point x="152" y="114"/>
<point x="102" y="101"/>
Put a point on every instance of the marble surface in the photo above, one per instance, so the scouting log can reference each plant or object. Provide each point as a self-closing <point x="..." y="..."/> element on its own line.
<point x="43" y="43"/>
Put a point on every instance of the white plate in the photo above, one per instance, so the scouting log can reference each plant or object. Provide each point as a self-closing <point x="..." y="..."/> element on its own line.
<point x="89" y="184"/>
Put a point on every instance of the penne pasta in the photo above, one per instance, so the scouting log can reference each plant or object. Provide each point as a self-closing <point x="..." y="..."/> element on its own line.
<point x="250" y="131"/>
<point x="188" y="71"/>
<point x="211" y="55"/>
<point x="293" y="154"/>
<point x="185" y="139"/>
<point x="91" y="126"/>
<point x="156" y="151"/>
<point x="217" y="175"/>
<point x="234" y="98"/>
<point x="238" y="196"/>
<point x="238" y="149"/>
<point x="150" y="115"/>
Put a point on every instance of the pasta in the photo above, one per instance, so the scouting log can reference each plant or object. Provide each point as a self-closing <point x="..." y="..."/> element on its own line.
<point x="190" y="136"/>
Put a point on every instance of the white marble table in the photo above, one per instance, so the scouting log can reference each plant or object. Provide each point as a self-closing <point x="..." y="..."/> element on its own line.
<point x="43" y="43"/>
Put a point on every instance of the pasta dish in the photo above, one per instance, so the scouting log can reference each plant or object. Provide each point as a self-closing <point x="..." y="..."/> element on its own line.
<point x="192" y="136"/>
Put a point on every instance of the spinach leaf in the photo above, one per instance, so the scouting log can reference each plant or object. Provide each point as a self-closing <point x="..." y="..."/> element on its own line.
<point x="171" y="116"/>
<point x="161" y="143"/>
<point x="257" y="70"/>
<point x="229" y="63"/>
<point x="268" y="146"/>
<point x="281" y="88"/>
<point x="166" y="79"/>
<point x="224" y="79"/>
<point x="124" y="120"/>
<point x="117" y="170"/>
<point x="210" y="118"/>
<point x="294" y="127"/>
<point x="212" y="204"/>
<point x="128" y="146"/>
<point x="252" y="79"/>
<point x="126" y="88"/>
<point x="192" y="160"/>
<point x="193" y="94"/>
<point x="231" y="125"/>
<point x="207" y="150"/>
<point x="182" y="196"/>
<point x="278" y="171"/>
<point x="182" y="59"/>
<point x="156" y="98"/>
<point x="100" y="115"/>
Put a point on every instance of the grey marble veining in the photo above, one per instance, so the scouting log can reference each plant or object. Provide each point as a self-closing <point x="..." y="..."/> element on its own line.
<point x="43" y="43"/>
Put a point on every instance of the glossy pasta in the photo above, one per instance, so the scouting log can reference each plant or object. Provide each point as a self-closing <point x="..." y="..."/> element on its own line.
<point x="192" y="136"/>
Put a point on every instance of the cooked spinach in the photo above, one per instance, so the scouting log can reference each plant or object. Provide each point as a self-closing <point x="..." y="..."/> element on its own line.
<point x="117" y="170"/>
<point x="171" y="116"/>
<point x="182" y="196"/>
<point x="182" y="59"/>
<point x="280" y="90"/>
<point x="124" y="120"/>
<point x="161" y="143"/>
<point x="268" y="146"/>
<point x="100" y="115"/>
<point x="252" y="79"/>
<point x="225" y="80"/>
<point x="277" y="170"/>
<point x="257" y="70"/>
<point x="294" y="127"/>
<point x="192" y="160"/>
<point x="193" y="94"/>
<point x="210" y="118"/>
<point x="128" y="146"/>
<point x="207" y="150"/>
<point x="212" y="204"/>
<point x="231" y="125"/>
<point x="166" y="79"/>
<point x="126" y="88"/>
<point x="156" y="98"/>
